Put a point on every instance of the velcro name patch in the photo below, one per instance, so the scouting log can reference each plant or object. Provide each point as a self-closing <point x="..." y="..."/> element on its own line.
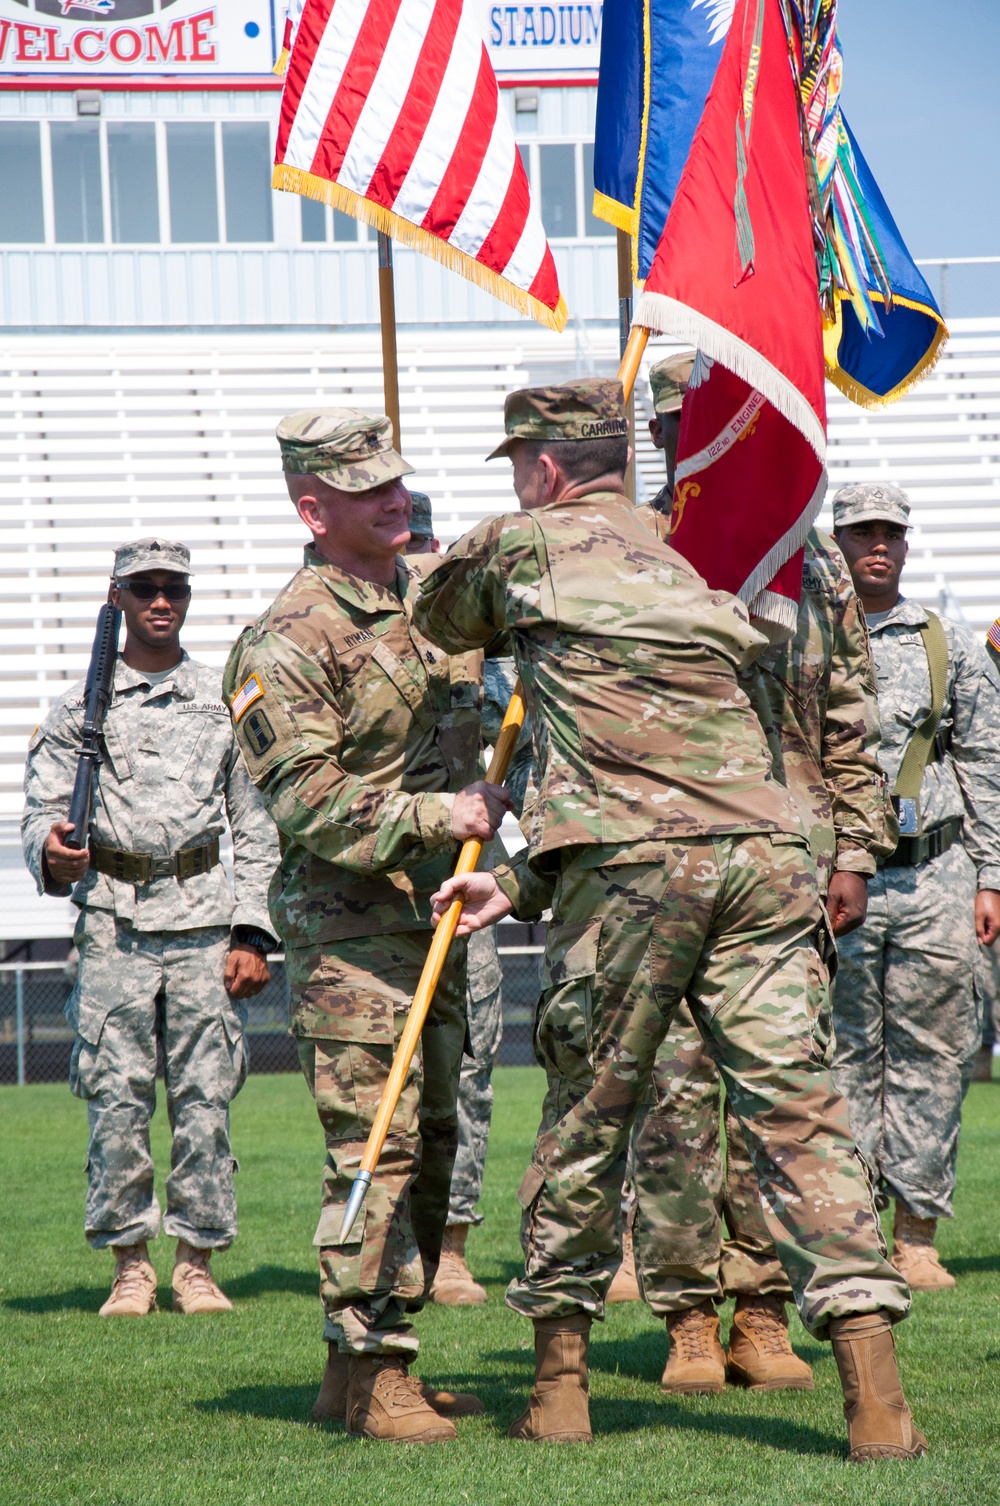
<point x="251" y="690"/>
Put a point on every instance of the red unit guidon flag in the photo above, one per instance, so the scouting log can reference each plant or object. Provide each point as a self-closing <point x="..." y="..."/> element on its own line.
<point x="391" y="113"/>
<point x="735" y="274"/>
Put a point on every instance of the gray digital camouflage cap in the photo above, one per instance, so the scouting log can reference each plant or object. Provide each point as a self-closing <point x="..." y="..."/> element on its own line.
<point x="342" y="446"/>
<point x="869" y="502"/>
<point x="592" y="408"/>
<point x="669" y="381"/>
<point x="422" y="517"/>
<point x="151" y="554"/>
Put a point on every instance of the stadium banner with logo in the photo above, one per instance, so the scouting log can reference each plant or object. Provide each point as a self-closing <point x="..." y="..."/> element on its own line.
<point x="391" y="113"/>
<point x="136" y="38"/>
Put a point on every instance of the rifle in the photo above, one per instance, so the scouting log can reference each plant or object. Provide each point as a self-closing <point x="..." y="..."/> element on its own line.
<point x="97" y="697"/>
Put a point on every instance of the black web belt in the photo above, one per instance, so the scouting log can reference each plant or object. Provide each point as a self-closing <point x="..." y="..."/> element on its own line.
<point x="915" y="850"/>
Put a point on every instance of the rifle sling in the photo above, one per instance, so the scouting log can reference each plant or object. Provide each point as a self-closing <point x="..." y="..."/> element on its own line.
<point x="921" y="745"/>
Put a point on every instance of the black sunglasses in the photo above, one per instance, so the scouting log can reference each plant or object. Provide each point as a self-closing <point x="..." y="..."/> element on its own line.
<point x="147" y="590"/>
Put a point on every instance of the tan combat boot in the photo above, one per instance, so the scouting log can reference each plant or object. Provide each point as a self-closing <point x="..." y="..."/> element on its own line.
<point x="194" y="1289"/>
<point x="760" y="1352"/>
<point x="331" y="1403"/>
<point x="879" y="1423"/>
<point x="696" y="1365"/>
<point x="625" y="1285"/>
<point x="558" y="1409"/>
<point x="914" y="1255"/>
<point x="384" y="1401"/>
<point x="133" y="1291"/>
<point x="453" y="1285"/>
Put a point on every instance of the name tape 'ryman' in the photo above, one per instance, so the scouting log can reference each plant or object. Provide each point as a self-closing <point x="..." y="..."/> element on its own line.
<point x="251" y="690"/>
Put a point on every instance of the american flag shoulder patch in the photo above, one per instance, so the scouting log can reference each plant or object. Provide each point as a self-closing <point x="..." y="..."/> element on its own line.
<point x="251" y="690"/>
<point x="993" y="635"/>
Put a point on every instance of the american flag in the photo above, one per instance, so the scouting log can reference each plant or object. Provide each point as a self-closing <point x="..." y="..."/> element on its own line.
<point x="391" y="113"/>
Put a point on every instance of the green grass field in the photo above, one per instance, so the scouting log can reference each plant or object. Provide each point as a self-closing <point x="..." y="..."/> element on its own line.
<point x="214" y="1411"/>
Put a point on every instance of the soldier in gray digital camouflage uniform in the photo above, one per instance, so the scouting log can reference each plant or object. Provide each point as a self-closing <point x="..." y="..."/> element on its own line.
<point x="906" y="1018"/>
<point x="166" y="953"/>
<point x="454" y="1284"/>
<point x="365" y="742"/>
<point x="676" y="867"/>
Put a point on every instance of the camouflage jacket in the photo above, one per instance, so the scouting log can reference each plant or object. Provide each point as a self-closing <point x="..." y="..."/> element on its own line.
<point x="629" y="665"/>
<point x="964" y="783"/>
<point x="171" y="778"/>
<point x="816" y="699"/>
<point x="358" y="733"/>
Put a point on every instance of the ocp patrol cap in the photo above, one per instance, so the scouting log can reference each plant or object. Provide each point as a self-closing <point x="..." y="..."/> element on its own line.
<point x="348" y="449"/>
<point x="871" y="502"/>
<point x="421" y="518"/>
<point x="669" y="381"/>
<point x="592" y="408"/>
<point x="140" y="555"/>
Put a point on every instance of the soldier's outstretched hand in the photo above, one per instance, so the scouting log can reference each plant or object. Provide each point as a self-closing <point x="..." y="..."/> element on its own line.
<point x="485" y="902"/>
<point x="478" y="810"/>
<point x="246" y="972"/>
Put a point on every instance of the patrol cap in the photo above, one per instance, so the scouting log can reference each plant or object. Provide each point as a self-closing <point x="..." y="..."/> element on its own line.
<point x="871" y="501"/>
<point x="669" y="381"/>
<point x="592" y="408"/>
<point x="343" y="446"/>
<point x="151" y="554"/>
<point x="421" y="518"/>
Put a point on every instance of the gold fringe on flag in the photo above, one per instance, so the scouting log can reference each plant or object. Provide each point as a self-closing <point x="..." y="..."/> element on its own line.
<point x="282" y="63"/>
<point x="863" y="396"/>
<point x="297" y="180"/>
<point x="622" y="216"/>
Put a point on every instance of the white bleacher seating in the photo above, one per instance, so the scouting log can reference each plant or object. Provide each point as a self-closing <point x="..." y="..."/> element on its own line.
<point x="107" y="437"/>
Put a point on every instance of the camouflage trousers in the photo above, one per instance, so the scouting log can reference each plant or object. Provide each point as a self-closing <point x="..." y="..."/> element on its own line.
<point x="354" y="995"/>
<point x="475" y="1088"/>
<point x="907" y="1025"/>
<point x="684" y="1198"/>
<point x="731" y="924"/>
<point x="137" y="993"/>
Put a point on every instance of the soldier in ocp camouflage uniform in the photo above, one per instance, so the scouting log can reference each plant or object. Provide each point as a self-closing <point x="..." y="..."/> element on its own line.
<point x="364" y="740"/>
<point x="815" y="698"/>
<point x="906" y="1017"/>
<point x="165" y="954"/>
<point x="676" y="867"/>
<point x="453" y="1284"/>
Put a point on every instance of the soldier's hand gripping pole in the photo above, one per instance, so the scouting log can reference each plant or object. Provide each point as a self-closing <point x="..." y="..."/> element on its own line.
<point x="97" y="699"/>
<point x="447" y="925"/>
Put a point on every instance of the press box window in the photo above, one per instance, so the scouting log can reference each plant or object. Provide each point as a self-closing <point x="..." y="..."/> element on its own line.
<point x="557" y="165"/>
<point x="76" y="181"/>
<point x="246" y="158"/>
<point x="194" y="204"/>
<point x="135" y="213"/>
<point x="21" y="182"/>
<point x="591" y="224"/>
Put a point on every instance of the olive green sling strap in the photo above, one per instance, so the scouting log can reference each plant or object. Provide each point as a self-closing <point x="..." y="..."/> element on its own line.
<point x="921" y="744"/>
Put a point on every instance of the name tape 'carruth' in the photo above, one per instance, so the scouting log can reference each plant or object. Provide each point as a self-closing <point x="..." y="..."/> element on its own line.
<point x="603" y="427"/>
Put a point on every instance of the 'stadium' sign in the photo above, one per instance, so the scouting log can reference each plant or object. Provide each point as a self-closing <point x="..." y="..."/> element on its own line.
<point x="136" y="37"/>
<point x="557" y="41"/>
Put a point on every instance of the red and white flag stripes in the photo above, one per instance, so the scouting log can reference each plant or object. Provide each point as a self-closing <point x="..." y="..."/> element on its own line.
<point x="391" y="112"/>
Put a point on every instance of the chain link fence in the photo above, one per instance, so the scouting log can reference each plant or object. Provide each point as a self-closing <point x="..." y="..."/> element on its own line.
<point x="36" y="1040"/>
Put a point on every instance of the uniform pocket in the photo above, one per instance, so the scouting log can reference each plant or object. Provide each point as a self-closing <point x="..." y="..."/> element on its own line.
<point x="566" y="1025"/>
<point x="239" y="1054"/>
